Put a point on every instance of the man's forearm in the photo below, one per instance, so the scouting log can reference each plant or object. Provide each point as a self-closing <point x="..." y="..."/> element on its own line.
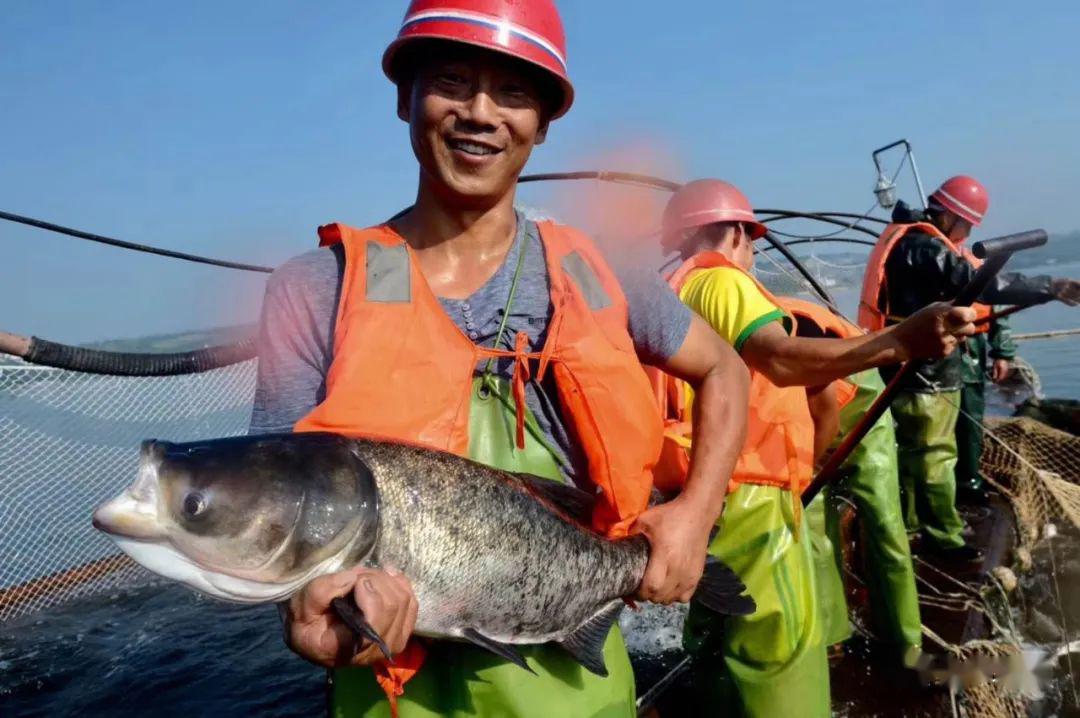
<point x="720" y="407"/>
<point x="799" y="361"/>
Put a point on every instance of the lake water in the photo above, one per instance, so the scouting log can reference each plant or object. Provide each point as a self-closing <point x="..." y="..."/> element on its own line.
<point x="164" y="651"/>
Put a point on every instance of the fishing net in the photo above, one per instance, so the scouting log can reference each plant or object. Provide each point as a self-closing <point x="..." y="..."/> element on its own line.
<point x="1037" y="468"/>
<point x="69" y="441"/>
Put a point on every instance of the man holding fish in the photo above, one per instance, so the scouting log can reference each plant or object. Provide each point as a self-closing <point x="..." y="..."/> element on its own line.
<point x="463" y="326"/>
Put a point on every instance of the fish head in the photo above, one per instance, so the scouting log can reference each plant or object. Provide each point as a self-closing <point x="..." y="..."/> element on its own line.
<point x="247" y="519"/>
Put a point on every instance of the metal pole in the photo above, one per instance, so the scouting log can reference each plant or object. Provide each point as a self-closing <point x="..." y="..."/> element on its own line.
<point x="918" y="179"/>
<point x="914" y="168"/>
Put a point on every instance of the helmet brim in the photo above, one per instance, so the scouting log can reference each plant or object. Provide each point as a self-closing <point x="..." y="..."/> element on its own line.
<point x="757" y="229"/>
<point x="393" y="52"/>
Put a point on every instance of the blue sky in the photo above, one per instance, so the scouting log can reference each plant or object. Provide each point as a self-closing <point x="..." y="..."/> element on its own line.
<point x="233" y="129"/>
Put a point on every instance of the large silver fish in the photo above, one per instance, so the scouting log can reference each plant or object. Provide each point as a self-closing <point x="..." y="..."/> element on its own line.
<point x="494" y="558"/>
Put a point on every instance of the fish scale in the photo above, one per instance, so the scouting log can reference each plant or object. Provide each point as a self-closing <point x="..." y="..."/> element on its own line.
<point x="530" y="577"/>
<point x="495" y="558"/>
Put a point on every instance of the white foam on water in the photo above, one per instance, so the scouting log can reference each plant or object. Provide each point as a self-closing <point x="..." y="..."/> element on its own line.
<point x="653" y="629"/>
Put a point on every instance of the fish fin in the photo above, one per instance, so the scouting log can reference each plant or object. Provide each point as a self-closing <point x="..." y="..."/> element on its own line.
<point x="503" y="650"/>
<point x="586" y="644"/>
<point x="353" y="617"/>
<point x="721" y="590"/>
<point x="572" y="501"/>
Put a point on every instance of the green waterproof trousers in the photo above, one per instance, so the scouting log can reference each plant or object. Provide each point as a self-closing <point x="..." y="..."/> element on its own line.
<point x="869" y="478"/>
<point x="828" y="571"/>
<point x="926" y="442"/>
<point x="458" y="679"/>
<point x="773" y="662"/>
<point x="969" y="435"/>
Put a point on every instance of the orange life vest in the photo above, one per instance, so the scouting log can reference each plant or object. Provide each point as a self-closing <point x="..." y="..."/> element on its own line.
<point x="402" y="370"/>
<point x="779" y="446"/>
<point x="873" y="301"/>
<point x="829" y="323"/>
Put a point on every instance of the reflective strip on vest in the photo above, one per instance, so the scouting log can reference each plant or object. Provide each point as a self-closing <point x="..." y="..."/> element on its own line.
<point x="388" y="276"/>
<point x="586" y="280"/>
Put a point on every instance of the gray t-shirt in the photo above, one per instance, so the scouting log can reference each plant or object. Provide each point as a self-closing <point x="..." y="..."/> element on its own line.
<point x="300" y="308"/>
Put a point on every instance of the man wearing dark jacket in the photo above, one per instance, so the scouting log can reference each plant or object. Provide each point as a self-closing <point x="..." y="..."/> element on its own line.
<point x="921" y="259"/>
<point x="998" y="348"/>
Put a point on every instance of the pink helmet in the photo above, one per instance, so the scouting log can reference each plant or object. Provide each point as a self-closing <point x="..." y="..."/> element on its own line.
<point x="529" y="30"/>
<point x="963" y="196"/>
<point x="703" y="202"/>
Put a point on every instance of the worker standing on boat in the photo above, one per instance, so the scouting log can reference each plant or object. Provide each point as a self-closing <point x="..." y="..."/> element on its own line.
<point x="464" y="326"/>
<point x="871" y="478"/>
<point x="773" y="662"/>
<point x="919" y="259"/>
<point x="997" y="347"/>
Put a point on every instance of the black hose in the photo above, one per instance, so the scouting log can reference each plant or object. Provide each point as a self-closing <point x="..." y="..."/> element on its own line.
<point x="788" y="214"/>
<point x="95" y="361"/>
<point x="841" y="240"/>
<point x="604" y="176"/>
<point x="818" y="218"/>
<point x="132" y="245"/>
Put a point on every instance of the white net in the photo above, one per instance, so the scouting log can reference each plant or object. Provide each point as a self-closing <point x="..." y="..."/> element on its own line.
<point x="69" y="441"/>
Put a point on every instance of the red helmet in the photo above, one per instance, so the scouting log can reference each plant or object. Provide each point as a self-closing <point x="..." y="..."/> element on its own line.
<point x="528" y="30"/>
<point x="703" y="202"/>
<point x="963" y="196"/>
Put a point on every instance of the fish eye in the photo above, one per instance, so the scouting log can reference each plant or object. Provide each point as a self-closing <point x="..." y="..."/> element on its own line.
<point x="194" y="505"/>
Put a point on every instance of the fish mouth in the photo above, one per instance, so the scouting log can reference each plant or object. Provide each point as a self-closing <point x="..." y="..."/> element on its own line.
<point x="126" y="517"/>
<point x="133" y="514"/>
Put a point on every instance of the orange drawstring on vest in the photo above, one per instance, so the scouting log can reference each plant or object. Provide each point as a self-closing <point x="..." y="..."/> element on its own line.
<point x="522" y="374"/>
<point x="392" y="677"/>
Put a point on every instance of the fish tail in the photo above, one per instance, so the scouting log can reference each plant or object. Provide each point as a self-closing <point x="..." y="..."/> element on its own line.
<point x="722" y="591"/>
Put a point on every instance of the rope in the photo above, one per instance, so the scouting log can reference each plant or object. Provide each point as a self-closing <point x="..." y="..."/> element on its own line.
<point x="830" y="265"/>
<point x="1056" y="334"/>
<point x="645" y="702"/>
<point x="1061" y="612"/>
<point x="789" y="274"/>
<point x="79" y="234"/>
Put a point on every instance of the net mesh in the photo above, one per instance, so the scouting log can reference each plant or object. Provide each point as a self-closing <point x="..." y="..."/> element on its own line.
<point x="1038" y="468"/>
<point x="68" y="442"/>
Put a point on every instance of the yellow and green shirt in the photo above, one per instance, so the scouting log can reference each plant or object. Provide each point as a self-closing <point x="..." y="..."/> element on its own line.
<point x="731" y="303"/>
